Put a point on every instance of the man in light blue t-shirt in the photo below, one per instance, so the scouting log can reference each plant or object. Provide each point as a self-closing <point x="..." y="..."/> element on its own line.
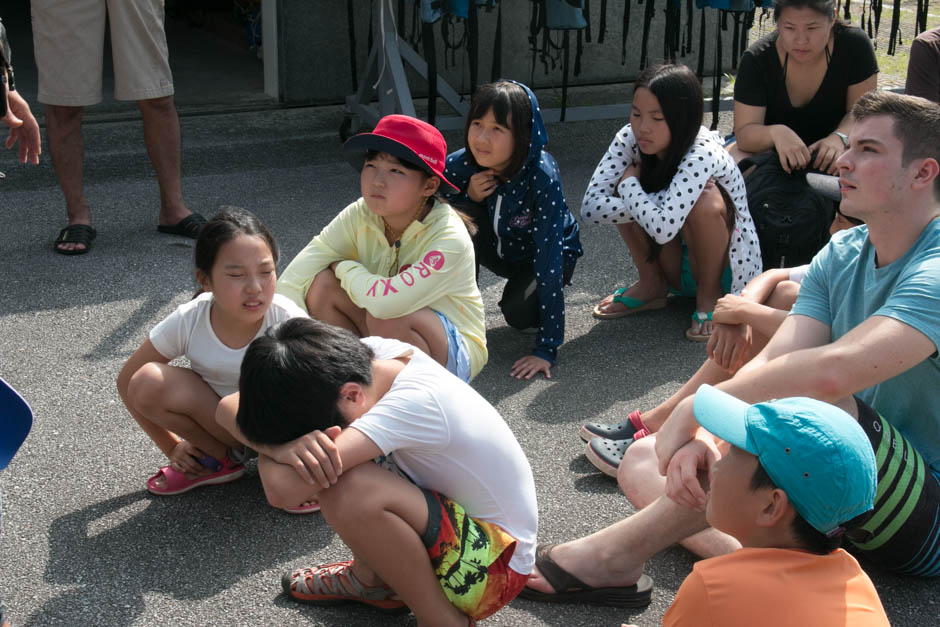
<point x="867" y="323"/>
<point x="863" y="335"/>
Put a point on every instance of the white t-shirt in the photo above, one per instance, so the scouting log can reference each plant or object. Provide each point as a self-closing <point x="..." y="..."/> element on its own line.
<point x="449" y="439"/>
<point x="188" y="332"/>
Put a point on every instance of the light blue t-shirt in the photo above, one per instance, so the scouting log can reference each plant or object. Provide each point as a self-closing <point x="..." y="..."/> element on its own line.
<point x="843" y="288"/>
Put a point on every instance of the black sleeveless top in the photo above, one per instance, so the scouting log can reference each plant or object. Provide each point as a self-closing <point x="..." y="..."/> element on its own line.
<point x="760" y="83"/>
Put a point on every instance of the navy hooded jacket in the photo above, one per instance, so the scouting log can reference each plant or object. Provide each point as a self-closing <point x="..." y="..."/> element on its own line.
<point x="532" y="222"/>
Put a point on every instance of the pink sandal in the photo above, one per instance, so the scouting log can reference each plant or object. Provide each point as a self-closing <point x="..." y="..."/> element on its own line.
<point x="310" y="508"/>
<point x="178" y="483"/>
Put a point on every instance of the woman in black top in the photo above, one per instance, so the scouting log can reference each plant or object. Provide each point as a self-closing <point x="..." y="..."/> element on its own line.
<point x="795" y="87"/>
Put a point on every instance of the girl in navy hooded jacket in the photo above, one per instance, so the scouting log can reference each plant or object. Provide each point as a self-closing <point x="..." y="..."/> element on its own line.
<point x="511" y="188"/>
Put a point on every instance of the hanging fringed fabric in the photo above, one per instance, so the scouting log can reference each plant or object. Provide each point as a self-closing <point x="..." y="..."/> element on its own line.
<point x="430" y="56"/>
<point x="586" y="11"/>
<point x="473" y="44"/>
<point x="735" y="40"/>
<point x="700" y="69"/>
<point x="920" y="21"/>
<point x="647" y="21"/>
<point x="351" y="29"/>
<point x="875" y="6"/>
<point x="672" y="29"/>
<point x="895" y="38"/>
<point x="626" y="29"/>
<point x="497" y="69"/>
<point x="566" y="15"/>
<point x="722" y="25"/>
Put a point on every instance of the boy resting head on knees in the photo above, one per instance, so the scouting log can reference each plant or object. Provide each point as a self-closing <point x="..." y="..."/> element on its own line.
<point x="450" y="532"/>
<point x="797" y="474"/>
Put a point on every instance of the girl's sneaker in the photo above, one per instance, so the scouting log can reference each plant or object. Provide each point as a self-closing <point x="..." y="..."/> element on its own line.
<point x="177" y="483"/>
<point x="335" y="584"/>
<point x="619" y="431"/>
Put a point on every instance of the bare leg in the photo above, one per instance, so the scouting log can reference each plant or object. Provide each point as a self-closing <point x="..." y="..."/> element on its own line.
<point x="652" y="283"/>
<point x="328" y="302"/>
<point x="706" y="234"/>
<point x="178" y="400"/>
<point x="615" y="556"/>
<point x="641" y="483"/>
<point x="422" y="329"/>
<point x="64" y="133"/>
<point x="162" y="136"/>
<point x="380" y="516"/>
<point x="783" y="295"/>
<point x="710" y="373"/>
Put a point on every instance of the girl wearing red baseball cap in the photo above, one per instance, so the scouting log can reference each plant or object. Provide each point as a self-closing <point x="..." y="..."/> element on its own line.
<point x="397" y="262"/>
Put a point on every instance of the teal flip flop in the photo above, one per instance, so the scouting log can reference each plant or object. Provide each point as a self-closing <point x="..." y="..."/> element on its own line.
<point x="633" y="305"/>
<point x="700" y="318"/>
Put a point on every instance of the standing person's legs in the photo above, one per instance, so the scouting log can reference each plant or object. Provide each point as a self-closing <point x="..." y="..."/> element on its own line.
<point x="162" y="136"/>
<point x="66" y="145"/>
<point x="68" y="41"/>
<point x="142" y="73"/>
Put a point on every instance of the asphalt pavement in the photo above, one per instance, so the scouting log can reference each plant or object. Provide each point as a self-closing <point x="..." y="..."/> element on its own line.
<point x="84" y="543"/>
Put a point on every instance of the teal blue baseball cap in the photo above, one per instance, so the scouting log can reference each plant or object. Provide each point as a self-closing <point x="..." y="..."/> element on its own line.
<point x="813" y="451"/>
<point x="16" y="419"/>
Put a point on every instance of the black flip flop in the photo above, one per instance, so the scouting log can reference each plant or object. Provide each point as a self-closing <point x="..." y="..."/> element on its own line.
<point x="570" y="589"/>
<point x="75" y="234"/>
<point x="187" y="227"/>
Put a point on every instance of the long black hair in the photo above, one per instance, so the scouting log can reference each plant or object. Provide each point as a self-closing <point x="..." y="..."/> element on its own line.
<point x="223" y="228"/>
<point x="680" y="99"/>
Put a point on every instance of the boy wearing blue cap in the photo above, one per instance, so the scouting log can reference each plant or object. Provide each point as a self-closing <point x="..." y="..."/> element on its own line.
<point x="798" y="473"/>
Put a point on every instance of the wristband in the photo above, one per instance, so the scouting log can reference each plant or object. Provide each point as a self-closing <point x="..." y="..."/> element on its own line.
<point x="843" y="137"/>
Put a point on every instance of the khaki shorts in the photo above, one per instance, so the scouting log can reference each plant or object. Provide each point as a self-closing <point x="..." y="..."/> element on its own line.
<point x="68" y="37"/>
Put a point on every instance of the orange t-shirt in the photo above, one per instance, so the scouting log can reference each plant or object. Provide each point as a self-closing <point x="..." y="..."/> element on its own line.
<point x="777" y="587"/>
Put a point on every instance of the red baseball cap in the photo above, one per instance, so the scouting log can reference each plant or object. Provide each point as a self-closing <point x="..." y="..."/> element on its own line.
<point x="405" y="138"/>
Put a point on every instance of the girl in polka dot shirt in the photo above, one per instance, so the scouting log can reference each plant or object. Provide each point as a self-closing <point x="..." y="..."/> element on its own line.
<point x="511" y="188"/>
<point x="678" y="200"/>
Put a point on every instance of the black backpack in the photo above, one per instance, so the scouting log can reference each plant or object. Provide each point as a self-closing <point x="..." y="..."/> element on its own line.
<point x="791" y="218"/>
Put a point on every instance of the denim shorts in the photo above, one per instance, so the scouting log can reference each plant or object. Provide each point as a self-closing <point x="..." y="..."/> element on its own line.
<point x="458" y="359"/>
